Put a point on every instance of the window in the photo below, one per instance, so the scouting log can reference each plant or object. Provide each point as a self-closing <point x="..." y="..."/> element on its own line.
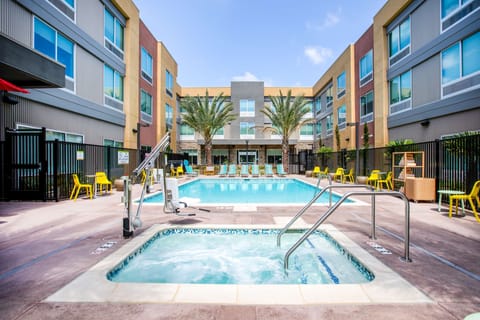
<point x="67" y="7"/>
<point x="247" y="108"/>
<point x="341" y="85"/>
<point x="186" y="132"/>
<point x="53" y="44"/>
<point x="113" y="33"/>
<point x="329" y="97"/>
<point x="220" y="134"/>
<point x="169" y="83"/>
<point x="220" y="156"/>
<point x="306" y="131"/>
<point x="147" y="65"/>
<point x="318" y="104"/>
<point x="112" y="143"/>
<point x="145" y="102"/>
<point x="318" y="128"/>
<point x="398" y="40"/>
<point x="192" y="155"/>
<point x="461" y="59"/>
<point x="401" y="88"/>
<point x="168" y="115"/>
<point x="329" y="125"/>
<point x="309" y="106"/>
<point x="247" y="130"/>
<point x="342" y="116"/>
<point x="366" y="68"/>
<point x="450" y="6"/>
<point x="366" y="107"/>
<point x="113" y="83"/>
<point x="274" y="156"/>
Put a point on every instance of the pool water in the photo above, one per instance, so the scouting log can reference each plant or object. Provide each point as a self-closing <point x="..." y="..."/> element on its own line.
<point x="247" y="191"/>
<point x="239" y="256"/>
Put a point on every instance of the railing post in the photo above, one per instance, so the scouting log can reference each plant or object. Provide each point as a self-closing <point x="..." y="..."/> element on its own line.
<point x="372" y="210"/>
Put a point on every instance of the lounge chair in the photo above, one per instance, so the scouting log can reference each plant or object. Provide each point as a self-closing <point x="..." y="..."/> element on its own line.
<point x="268" y="170"/>
<point x="473" y="195"/>
<point x="339" y="175"/>
<point x="244" y="171"/>
<point x="232" y="170"/>
<point x="189" y="171"/>
<point x="102" y="180"/>
<point x="255" y="170"/>
<point x="280" y="171"/>
<point x="77" y="186"/>
<point x="223" y="171"/>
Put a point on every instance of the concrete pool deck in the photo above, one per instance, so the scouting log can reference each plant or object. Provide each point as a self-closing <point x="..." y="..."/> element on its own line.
<point x="45" y="246"/>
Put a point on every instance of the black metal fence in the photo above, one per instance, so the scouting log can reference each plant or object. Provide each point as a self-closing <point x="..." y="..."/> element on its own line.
<point x="42" y="170"/>
<point x="454" y="163"/>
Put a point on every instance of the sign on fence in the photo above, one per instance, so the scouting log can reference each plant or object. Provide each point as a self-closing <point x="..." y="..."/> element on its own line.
<point x="123" y="157"/>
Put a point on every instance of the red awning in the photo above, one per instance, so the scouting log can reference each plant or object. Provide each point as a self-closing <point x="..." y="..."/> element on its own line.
<point x="8" y="86"/>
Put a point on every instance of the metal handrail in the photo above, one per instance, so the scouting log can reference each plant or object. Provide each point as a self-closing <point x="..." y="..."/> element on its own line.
<point x="309" y="204"/>
<point x="339" y="202"/>
<point x="329" y="178"/>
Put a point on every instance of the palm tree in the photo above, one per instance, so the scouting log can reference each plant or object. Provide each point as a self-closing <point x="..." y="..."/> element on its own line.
<point x="206" y="117"/>
<point x="286" y="115"/>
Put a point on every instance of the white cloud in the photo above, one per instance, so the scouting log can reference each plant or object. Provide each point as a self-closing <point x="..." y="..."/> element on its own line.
<point x="247" y="76"/>
<point x="318" y="55"/>
<point x="329" y="21"/>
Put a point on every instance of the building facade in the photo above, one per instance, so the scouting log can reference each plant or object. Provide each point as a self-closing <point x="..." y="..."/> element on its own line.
<point x="97" y="75"/>
<point x="427" y="69"/>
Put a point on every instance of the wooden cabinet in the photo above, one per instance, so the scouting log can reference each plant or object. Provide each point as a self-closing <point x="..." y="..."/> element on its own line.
<point x="410" y="165"/>
<point x="420" y="189"/>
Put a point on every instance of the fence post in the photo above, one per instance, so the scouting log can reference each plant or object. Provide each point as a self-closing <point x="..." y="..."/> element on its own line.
<point x="55" y="157"/>
<point x="437" y="167"/>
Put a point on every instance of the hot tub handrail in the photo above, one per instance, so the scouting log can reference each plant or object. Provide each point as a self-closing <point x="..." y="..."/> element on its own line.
<point x="331" y="210"/>
<point x="309" y="204"/>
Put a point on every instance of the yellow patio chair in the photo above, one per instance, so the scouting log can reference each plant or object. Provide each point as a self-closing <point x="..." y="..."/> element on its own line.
<point x="387" y="182"/>
<point x="373" y="178"/>
<point x="144" y="177"/>
<point x="473" y="195"/>
<point x="316" y="171"/>
<point x="349" y="176"/>
<point x="102" y="180"/>
<point x="179" y="170"/>
<point x="77" y="186"/>
<point x="339" y="174"/>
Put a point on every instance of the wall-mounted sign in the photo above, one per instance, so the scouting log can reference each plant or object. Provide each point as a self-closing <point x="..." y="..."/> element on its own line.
<point x="80" y="155"/>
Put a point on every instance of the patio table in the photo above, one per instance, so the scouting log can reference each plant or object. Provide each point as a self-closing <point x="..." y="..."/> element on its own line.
<point x="449" y="193"/>
<point x="94" y="177"/>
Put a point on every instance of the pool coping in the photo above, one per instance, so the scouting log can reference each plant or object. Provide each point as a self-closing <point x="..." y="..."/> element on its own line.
<point x="93" y="285"/>
<point x="355" y="201"/>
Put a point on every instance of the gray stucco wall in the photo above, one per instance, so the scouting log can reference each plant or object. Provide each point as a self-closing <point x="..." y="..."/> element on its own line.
<point x="253" y="90"/>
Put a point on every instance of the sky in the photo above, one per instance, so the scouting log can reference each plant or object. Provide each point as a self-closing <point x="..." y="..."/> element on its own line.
<point x="284" y="43"/>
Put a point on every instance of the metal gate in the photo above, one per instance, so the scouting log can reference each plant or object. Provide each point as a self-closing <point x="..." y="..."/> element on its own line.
<point x="25" y="164"/>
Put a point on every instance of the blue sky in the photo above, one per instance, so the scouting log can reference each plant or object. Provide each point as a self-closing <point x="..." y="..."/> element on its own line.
<point x="283" y="43"/>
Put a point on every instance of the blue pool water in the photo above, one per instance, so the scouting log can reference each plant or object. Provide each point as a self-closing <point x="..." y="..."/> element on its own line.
<point x="239" y="256"/>
<point x="247" y="191"/>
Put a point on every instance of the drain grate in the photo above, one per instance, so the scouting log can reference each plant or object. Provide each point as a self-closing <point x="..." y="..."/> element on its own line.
<point x="104" y="247"/>
<point x="378" y="247"/>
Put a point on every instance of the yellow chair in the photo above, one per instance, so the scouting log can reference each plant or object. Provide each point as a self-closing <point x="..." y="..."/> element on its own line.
<point x="316" y="171"/>
<point x="473" y="195"/>
<point x="144" y="177"/>
<point x="387" y="182"/>
<point x="373" y="178"/>
<point x="102" y="180"/>
<point x="339" y="174"/>
<point x="349" y="176"/>
<point x="179" y="170"/>
<point x="77" y="186"/>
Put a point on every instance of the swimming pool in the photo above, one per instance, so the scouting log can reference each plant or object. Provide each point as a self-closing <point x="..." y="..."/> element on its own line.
<point x="238" y="256"/>
<point x="94" y="286"/>
<point x="247" y="191"/>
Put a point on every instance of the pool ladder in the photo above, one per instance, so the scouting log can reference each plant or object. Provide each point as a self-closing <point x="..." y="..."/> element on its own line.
<point x="332" y="209"/>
